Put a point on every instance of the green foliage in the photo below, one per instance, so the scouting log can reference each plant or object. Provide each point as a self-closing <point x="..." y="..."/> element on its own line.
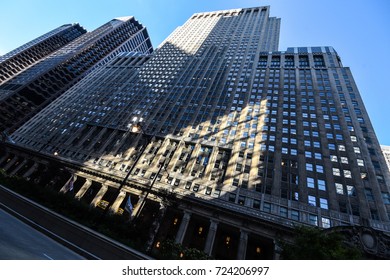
<point x="175" y="251"/>
<point x="315" y="244"/>
<point x="114" y="226"/>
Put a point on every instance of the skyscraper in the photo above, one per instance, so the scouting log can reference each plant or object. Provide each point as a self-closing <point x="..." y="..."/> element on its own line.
<point x="32" y="52"/>
<point x="386" y="153"/>
<point x="244" y="140"/>
<point x="24" y="93"/>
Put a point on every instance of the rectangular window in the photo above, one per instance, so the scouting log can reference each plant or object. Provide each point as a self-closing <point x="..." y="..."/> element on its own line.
<point x="323" y="203"/>
<point x="283" y="212"/>
<point x="325" y="222"/>
<point x="295" y="215"/>
<point x="313" y="219"/>
<point x="347" y="174"/>
<point x="267" y="207"/>
<point x="351" y="190"/>
<point x="369" y="194"/>
<point x="321" y="185"/>
<point x="312" y="200"/>
<point x="310" y="182"/>
<point x="336" y="172"/>
<point x="256" y="204"/>
<point x="386" y="198"/>
<point x="339" y="188"/>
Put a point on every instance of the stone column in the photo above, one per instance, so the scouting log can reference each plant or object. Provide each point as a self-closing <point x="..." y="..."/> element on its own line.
<point x="18" y="167"/>
<point x="65" y="187"/>
<point x="208" y="248"/>
<point x="243" y="243"/>
<point x="31" y="170"/>
<point x="183" y="227"/>
<point x="99" y="195"/>
<point x="138" y="207"/>
<point x="115" y="206"/>
<point x="4" y="157"/>
<point x="83" y="189"/>
<point x="11" y="163"/>
<point x="277" y="251"/>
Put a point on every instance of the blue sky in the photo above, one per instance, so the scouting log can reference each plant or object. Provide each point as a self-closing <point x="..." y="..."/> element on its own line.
<point x="357" y="29"/>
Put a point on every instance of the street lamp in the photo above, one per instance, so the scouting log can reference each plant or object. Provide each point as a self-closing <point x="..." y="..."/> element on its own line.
<point x="134" y="128"/>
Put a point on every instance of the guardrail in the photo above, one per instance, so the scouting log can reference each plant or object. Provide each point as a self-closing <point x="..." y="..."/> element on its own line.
<point x="82" y="240"/>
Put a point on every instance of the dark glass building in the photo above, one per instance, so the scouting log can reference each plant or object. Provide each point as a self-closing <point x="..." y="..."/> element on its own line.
<point x="38" y="72"/>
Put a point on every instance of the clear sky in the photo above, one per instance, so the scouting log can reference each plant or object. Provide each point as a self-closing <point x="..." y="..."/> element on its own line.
<point x="359" y="30"/>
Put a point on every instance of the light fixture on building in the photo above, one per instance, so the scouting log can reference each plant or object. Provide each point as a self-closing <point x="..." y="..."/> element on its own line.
<point x="136" y="128"/>
<point x="258" y="250"/>
<point x="200" y="230"/>
<point x="158" y="244"/>
<point x="227" y="240"/>
<point x="175" y="221"/>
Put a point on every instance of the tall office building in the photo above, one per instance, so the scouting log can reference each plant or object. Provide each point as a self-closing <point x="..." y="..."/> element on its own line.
<point x="20" y="59"/>
<point x="31" y="89"/>
<point x="239" y="141"/>
<point x="386" y="154"/>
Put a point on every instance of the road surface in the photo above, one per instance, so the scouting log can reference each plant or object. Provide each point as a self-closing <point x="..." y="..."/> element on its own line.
<point x="19" y="241"/>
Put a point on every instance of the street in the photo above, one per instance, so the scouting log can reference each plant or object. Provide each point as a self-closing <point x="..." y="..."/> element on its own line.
<point x="19" y="241"/>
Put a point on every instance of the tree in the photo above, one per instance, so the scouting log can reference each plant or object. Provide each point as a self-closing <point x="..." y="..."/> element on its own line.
<point x="315" y="244"/>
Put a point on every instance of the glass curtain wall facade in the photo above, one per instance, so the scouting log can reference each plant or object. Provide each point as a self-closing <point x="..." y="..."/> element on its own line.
<point x="32" y="89"/>
<point x="18" y="60"/>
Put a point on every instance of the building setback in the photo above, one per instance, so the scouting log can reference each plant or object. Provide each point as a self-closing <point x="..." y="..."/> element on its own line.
<point x="248" y="140"/>
<point x="24" y="92"/>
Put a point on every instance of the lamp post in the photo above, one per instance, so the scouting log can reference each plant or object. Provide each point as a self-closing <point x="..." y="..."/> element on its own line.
<point x="135" y="128"/>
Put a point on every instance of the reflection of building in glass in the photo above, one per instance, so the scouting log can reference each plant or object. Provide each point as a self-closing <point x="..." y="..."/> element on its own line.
<point x="239" y="141"/>
<point x="35" y="74"/>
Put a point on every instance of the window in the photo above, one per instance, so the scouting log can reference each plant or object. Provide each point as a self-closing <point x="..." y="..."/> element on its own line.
<point x="295" y="215"/>
<point x="351" y="190"/>
<point x="310" y="182"/>
<point x="325" y="222"/>
<point x="336" y="172"/>
<point x="313" y="219"/>
<point x="321" y="185"/>
<point x="344" y="160"/>
<point x="323" y="203"/>
<point x="309" y="167"/>
<point x="319" y="168"/>
<point x="256" y="203"/>
<point x="360" y="162"/>
<point x="283" y="212"/>
<point x="347" y="174"/>
<point x="333" y="158"/>
<point x="267" y="207"/>
<point x="369" y="194"/>
<point x="241" y="200"/>
<point x="232" y="197"/>
<point x="386" y="198"/>
<point x="312" y="200"/>
<point x="339" y="188"/>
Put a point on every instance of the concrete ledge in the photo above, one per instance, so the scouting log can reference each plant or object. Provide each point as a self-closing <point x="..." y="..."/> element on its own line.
<point x="86" y="242"/>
